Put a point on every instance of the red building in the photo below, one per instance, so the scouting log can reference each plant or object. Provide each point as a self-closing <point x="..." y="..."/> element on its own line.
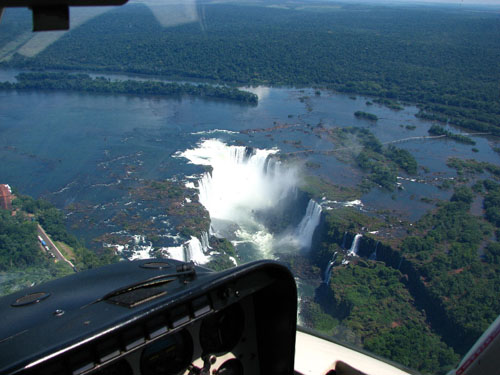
<point x="5" y="197"/>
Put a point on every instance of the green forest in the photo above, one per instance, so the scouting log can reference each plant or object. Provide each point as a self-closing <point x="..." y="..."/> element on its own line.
<point x="381" y="163"/>
<point x="439" y="130"/>
<point x="444" y="60"/>
<point x="433" y="288"/>
<point x="84" y="83"/>
<point x="22" y="261"/>
<point x="436" y="288"/>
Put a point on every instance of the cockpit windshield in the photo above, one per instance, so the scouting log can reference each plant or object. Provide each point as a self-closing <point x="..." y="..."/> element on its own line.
<point x="356" y="142"/>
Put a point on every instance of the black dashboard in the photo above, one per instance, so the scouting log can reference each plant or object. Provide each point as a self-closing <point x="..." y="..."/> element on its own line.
<point x="153" y="317"/>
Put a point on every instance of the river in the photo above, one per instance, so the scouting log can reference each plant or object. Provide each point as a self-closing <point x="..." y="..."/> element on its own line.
<point x="75" y="147"/>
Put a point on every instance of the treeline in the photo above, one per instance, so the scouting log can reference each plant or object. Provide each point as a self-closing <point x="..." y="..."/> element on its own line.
<point x="439" y="130"/>
<point x="444" y="59"/>
<point x="84" y="83"/>
<point x="477" y="119"/>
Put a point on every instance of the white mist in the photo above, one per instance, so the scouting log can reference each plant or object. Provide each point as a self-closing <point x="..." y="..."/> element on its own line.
<point x="243" y="182"/>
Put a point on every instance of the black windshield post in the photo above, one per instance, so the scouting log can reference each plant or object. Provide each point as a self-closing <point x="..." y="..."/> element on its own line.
<point x="50" y="18"/>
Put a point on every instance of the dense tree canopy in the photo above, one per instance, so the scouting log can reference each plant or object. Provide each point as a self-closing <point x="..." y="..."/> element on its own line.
<point x="83" y="82"/>
<point x="445" y="59"/>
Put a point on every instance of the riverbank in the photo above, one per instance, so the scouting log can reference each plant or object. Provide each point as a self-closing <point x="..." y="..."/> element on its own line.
<point x="100" y="85"/>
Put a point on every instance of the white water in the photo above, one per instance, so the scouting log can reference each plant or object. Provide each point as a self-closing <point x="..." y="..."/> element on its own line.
<point x="240" y="183"/>
<point x="176" y="252"/>
<point x="308" y="224"/>
<point x="328" y="270"/>
<point x="137" y="248"/>
<point x="373" y="255"/>
<point x="214" y="131"/>
<point x="243" y="182"/>
<point x="343" y="241"/>
<point x="205" y="245"/>
<point x="193" y="250"/>
<point x="353" y="251"/>
<point x="330" y="205"/>
<point x="234" y="261"/>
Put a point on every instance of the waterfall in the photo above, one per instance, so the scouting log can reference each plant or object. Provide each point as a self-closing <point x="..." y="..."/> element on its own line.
<point x="193" y="251"/>
<point x="243" y="181"/>
<point x="205" y="244"/>
<point x="308" y="224"/>
<point x="353" y="251"/>
<point x="343" y="241"/>
<point x="373" y="255"/>
<point x="175" y="252"/>
<point x="329" y="267"/>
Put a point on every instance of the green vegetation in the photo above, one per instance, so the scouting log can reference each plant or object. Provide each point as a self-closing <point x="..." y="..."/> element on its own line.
<point x="439" y="130"/>
<point x="313" y="314"/>
<point x="191" y="218"/>
<point x="450" y="269"/>
<point x="476" y="119"/>
<point x="360" y="147"/>
<point x="410" y="127"/>
<point x="372" y="298"/>
<point x="448" y="266"/>
<point x="389" y="104"/>
<point x="18" y="278"/>
<point x="401" y="343"/>
<point x="84" y="83"/>
<point x="22" y="262"/>
<point x="445" y="250"/>
<point x="371" y="303"/>
<point x="220" y="263"/>
<point x="223" y="260"/>
<point x="366" y="115"/>
<point x="319" y="188"/>
<point x="53" y="222"/>
<point x="473" y="167"/>
<point x="382" y="165"/>
<point x="402" y="158"/>
<point x="18" y="242"/>
<point x="445" y="60"/>
<point x="492" y="202"/>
